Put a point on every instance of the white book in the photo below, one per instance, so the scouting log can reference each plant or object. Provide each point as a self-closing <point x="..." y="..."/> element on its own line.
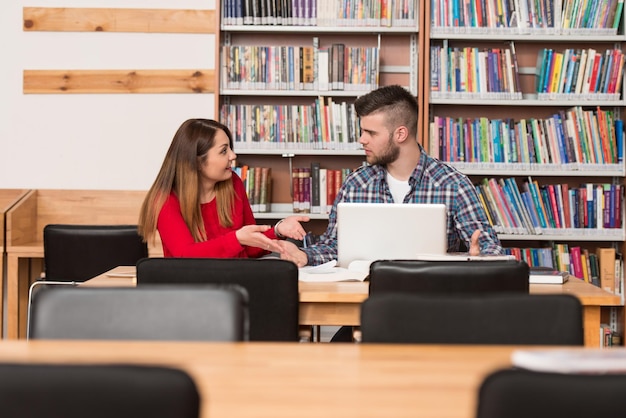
<point x="357" y="270"/>
<point x="591" y="53"/>
<point x="582" y="64"/>
<point x="572" y="360"/>
<point x="547" y="275"/>
<point x="323" y="81"/>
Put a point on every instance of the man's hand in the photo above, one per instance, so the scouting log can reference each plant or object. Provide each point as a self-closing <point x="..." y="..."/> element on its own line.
<point x="289" y="251"/>
<point x="474" y="248"/>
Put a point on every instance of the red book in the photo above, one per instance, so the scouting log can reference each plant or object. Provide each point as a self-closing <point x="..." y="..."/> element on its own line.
<point x="576" y="262"/>
<point x="330" y="189"/>
<point x="594" y="73"/>
<point x="554" y="205"/>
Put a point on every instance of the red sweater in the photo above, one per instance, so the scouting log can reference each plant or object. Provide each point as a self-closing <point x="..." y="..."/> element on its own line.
<point x="221" y="242"/>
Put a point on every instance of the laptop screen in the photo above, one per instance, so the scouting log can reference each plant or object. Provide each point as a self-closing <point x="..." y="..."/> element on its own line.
<point x="376" y="231"/>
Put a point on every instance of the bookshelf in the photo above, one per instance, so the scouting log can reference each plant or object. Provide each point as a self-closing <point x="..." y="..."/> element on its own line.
<point x="488" y="81"/>
<point x="285" y="93"/>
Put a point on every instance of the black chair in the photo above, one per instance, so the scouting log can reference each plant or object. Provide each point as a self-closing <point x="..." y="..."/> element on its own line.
<point x="448" y="276"/>
<point x="96" y="391"/>
<point x="472" y="319"/>
<point x="80" y="252"/>
<point x="272" y="287"/>
<point x="176" y="312"/>
<point x="516" y="393"/>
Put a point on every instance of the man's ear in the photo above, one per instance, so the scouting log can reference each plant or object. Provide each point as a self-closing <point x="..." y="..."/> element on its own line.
<point x="401" y="133"/>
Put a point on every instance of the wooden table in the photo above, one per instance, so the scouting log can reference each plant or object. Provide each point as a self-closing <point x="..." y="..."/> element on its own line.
<point x="276" y="380"/>
<point x="339" y="303"/>
<point x="8" y="198"/>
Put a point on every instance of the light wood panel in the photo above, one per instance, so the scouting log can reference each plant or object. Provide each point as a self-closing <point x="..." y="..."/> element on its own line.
<point x="119" y="81"/>
<point x="68" y="19"/>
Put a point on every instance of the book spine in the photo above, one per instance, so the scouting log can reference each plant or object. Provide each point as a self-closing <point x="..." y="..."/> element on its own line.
<point x="315" y="188"/>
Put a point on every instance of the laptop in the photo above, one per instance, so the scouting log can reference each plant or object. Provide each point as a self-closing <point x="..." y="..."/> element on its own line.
<point x="374" y="231"/>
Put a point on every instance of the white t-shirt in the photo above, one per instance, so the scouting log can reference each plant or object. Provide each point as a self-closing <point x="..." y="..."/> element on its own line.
<point x="398" y="188"/>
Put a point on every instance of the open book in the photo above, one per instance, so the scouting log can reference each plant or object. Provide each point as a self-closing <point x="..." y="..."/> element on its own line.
<point x="357" y="270"/>
<point x="572" y="360"/>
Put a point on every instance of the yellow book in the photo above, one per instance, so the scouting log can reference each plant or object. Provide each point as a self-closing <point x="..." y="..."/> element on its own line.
<point x="555" y="76"/>
<point x="583" y="262"/>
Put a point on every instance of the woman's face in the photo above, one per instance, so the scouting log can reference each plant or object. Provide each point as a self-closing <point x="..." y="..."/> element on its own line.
<point x="219" y="159"/>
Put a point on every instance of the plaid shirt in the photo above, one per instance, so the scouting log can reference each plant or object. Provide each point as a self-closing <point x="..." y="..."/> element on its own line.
<point x="431" y="182"/>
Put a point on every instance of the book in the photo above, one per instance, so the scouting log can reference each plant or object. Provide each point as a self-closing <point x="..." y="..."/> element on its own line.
<point x="571" y="360"/>
<point x="547" y="275"/>
<point x="606" y="263"/>
<point x="315" y="188"/>
<point x="357" y="270"/>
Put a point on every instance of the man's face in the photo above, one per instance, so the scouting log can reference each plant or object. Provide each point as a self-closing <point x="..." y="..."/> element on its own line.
<point x="377" y="141"/>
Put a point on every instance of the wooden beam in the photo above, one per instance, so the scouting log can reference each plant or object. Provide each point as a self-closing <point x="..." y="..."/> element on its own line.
<point x="118" y="81"/>
<point x="119" y="20"/>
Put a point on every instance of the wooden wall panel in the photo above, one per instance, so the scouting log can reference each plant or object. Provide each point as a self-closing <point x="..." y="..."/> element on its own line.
<point x="119" y="20"/>
<point x="65" y="19"/>
<point x="118" y="81"/>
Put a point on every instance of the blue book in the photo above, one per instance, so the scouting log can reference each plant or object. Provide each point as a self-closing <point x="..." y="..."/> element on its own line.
<point x="548" y="65"/>
<point x="532" y="211"/>
<point x="619" y="139"/>
<point x="560" y="138"/>
<point x="534" y="193"/>
<point x="574" y="57"/>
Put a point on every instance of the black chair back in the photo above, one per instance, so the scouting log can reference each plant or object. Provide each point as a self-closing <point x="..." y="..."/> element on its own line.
<point x="448" y="276"/>
<point x="80" y="252"/>
<point x="272" y="287"/>
<point x="505" y="318"/>
<point x="96" y="391"/>
<point x="516" y="393"/>
<point x="176" y="313"/>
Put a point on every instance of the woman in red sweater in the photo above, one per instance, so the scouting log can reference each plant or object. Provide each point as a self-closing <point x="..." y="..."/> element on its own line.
<point x="199" y="205"/>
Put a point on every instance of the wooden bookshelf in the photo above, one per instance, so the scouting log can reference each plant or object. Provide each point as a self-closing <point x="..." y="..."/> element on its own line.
<point x="393" y="45"/>
<point x="462" y="37"/>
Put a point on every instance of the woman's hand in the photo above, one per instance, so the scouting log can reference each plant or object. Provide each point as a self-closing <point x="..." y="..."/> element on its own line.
<point x="252" y="236"/>
<point x="290" y="227"/>
<point x="291" y="252"/>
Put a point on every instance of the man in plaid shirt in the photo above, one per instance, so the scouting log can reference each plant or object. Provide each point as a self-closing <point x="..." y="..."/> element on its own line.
<point x="400" y="171"/>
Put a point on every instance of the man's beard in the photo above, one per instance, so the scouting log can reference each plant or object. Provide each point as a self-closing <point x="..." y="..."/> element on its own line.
<point x="388" y="156"/>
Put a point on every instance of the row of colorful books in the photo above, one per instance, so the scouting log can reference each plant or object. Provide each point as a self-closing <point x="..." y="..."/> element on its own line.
<point x="552" y="208"/>
<point x="315" y="188"/>
<point x="579" y="71"/>
<point x="528" y="14"/>
<point x="487" y="73"/>
<point x="371" y="13"/>
<point x="284" y="67"/>
<point x="325" y="124"/>
<point x="602" y="267"/>
<point x="571" y="136"/>
<point x="258" y="184"/>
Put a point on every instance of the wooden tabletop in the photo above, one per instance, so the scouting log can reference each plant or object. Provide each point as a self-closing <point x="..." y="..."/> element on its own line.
<point x="276" y="380"/>
<point x="356" y="292"/>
